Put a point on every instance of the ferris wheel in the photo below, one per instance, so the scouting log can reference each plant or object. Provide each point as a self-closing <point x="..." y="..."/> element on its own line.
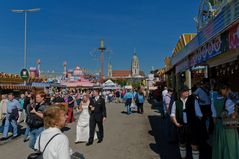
<point x="208" y="10"/>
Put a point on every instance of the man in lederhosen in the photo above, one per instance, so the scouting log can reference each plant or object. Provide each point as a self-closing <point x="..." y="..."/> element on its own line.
<point x="186" y="115"/>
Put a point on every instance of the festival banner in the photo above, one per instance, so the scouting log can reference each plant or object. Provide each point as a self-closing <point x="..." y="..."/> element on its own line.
<point x="228" y="15"/>
<point x="234" y="37"/>
<point x="211" y="49"/>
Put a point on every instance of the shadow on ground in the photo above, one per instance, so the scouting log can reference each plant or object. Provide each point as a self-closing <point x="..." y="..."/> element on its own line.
<point x="162" y="146"/>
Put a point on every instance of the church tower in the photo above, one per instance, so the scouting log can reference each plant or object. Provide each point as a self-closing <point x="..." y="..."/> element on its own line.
<point x="109" y="70"/>
<point x="135" y="65"/>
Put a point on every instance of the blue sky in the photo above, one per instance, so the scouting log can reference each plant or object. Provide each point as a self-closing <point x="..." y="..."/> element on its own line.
<point x="68" y="30"/>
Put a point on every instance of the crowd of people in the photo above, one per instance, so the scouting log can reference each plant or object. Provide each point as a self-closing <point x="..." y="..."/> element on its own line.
<point x="45" y="115"/>
<point x="132" y="98"/>
<point x="194" y="117"/>
<point x="197" y="118"/>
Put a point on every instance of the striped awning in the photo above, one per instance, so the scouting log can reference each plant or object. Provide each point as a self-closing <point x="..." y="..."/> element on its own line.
<point x="184" y="39"/>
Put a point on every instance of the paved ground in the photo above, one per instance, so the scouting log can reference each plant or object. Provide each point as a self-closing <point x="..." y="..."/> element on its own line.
<point x="129" y="137"/>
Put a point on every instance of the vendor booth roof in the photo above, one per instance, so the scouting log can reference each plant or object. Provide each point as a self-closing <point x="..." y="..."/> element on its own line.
<point x="82" y="83"/>
<point x="14" y="87"/>
<point x="40" y="84"/>
<point x="58" y="85"/>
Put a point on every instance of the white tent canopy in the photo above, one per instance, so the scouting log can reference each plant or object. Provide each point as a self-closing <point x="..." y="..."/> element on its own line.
<point x="109" y="83"/>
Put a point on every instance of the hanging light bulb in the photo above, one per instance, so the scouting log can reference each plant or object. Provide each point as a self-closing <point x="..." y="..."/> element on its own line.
<point x="236" y="66"/>
<point x="232" y="71"/>
<point x="228" y="69"/>
<point x="224" y="71"/>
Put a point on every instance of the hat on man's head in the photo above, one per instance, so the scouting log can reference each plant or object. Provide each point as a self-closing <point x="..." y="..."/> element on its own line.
<point x="184" y="88"/>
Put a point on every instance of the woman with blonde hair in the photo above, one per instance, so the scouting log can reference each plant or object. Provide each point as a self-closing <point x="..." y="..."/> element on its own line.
<point x="52" y="142"/>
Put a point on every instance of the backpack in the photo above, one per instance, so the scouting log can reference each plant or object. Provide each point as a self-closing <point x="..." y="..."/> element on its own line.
<point x="39" y="154"/>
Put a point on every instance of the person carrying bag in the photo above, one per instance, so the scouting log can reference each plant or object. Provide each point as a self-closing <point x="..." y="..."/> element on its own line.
<point x="39" y="153"/>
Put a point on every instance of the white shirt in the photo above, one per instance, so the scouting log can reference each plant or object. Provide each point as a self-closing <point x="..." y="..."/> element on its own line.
<point x="164" y="93"/>
<point x="58" y="148"/>
<point x="97" y="97"/>
<point x="196" y="106"/>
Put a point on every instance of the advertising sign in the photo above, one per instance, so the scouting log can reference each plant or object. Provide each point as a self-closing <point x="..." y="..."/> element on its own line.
<point x="207" y="51"/>
<point x="225" y="18"/>
<point x="234" y="37"/>
<point x="24" y="74"/>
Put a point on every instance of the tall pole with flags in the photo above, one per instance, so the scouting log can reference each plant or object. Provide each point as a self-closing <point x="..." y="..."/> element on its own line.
<point x="102" y="50"/>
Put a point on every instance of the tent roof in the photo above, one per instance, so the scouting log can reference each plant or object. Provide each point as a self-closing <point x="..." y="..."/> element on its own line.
<point x="109" y="83"/>
<point x="82" y="83"/>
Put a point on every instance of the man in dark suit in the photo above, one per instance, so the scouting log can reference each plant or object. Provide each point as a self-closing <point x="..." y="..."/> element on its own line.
<point x="97" y="116"/>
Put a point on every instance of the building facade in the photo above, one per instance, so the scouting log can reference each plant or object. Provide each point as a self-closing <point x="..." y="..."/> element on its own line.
<point x="132" y="75"/>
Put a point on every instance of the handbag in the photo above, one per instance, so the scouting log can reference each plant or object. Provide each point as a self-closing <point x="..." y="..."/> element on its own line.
<point x="133" y="106"/>
<point x="39" y="154"/>
<point x="77" y="155"/>
<point x="14" y="114"/>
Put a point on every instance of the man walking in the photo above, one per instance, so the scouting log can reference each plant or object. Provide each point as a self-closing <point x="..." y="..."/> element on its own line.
<point x="11" y="117"/>
<point x="97" y="116"/>
<point x="128" y="97"/>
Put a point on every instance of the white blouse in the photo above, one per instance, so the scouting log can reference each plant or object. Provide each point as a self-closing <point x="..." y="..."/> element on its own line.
<point x="58" y="148"/>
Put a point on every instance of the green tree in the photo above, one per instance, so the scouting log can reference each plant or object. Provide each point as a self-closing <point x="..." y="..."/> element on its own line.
<point x="136" y="85"/>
